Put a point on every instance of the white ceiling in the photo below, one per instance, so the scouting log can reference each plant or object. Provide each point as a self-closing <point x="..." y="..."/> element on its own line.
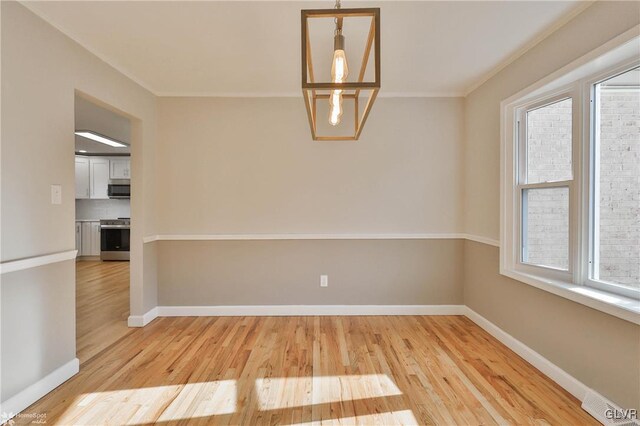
<point x="253" y="48"/>
<point x="89" y="116"/>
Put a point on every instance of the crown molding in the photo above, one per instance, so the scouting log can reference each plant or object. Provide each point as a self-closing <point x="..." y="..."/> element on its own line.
<point x="205" y="94"/>
<point x="104" y="58"/>
<point x="298" y="94"/>
<point x="453" y="94"/>
<point x="562" y="21"/>
<point x="583" y="5"/>
<point x="208" y="94"/>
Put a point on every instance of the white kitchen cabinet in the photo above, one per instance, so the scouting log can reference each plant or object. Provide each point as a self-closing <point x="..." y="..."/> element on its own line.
<point x="90" y="239"/>
<point x="86" y="239"/>
<point x="95" y="238"/>
<point x="120" y="168"/>
<point x="99" y="177"/>
<point x="82" y="177"/>
<point x="79" y="238"/>
<point x="93" y="174"/>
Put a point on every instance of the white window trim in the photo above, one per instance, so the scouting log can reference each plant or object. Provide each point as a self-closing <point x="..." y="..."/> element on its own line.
<point x="588" y="219"/>
<point x="577" y="78"/>
<point x="520" y="116"/>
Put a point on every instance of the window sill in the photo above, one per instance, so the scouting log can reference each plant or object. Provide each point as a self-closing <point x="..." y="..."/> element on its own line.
<point x="622" y="307"/>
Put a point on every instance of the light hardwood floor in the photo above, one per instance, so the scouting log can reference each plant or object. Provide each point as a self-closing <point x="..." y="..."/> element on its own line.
<point x="102" y="306"/>
<point x="324" y="370"/>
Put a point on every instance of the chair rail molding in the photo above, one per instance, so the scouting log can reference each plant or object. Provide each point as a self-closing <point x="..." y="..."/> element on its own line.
<point x="35" y="261"/>
<point x="256" y="237"/>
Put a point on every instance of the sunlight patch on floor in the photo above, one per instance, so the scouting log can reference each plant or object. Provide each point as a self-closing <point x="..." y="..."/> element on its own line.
<point x="135" y="406"/>
<point x="286" y="392"/>
<point x="216" y="398"/>
<point x="211" y="399"/>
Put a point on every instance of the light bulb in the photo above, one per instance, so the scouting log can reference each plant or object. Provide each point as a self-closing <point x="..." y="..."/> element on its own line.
<point x="335" y="107"/>
<point x="339" y="66"/>
<point x="339" y="73"/>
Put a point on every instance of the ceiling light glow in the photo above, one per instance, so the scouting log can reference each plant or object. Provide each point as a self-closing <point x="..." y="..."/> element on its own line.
<point x="100" y="138"/>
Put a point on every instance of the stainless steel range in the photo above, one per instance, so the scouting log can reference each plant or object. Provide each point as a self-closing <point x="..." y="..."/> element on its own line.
<point x="114" y="238"/>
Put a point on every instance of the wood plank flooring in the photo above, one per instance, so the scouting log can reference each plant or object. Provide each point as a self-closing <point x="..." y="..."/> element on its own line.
<point x="102" y="306"/>
<point x="441" y="370"/>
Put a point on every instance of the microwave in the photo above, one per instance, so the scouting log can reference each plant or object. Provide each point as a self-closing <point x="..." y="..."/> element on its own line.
<point x="119" y="189"/>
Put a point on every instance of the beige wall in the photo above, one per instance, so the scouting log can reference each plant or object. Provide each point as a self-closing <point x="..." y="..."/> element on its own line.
<point x="592" y="28"/>
<point x="249" y="166"/>
<point x="233" y="166"/>
<point x="41" y="70"/>
<point x="361" y="272"/>
<point x="38" y="328"/>
<point x="600" y="350"/>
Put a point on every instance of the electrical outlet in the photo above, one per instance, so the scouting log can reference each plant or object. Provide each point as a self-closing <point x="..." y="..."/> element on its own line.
<point x="56" y="194"/>
<point x="324" y="280"/>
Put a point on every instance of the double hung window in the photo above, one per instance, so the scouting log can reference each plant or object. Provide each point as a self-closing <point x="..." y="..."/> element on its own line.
<point x="571" y="183"/>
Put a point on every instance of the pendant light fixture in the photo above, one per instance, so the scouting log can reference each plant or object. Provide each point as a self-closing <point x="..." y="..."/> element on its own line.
<point x="340" y="91"/>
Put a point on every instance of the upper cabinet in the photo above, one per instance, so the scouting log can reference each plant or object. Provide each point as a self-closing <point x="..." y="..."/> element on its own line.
<point x="93" y="174"/>
<point x="120" y="168"/>
<point x="99" y="177"/>
<point x="82" y="177"/>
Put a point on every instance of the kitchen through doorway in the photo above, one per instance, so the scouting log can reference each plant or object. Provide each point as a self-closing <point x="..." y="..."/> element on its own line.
<point x="102" y="151"/>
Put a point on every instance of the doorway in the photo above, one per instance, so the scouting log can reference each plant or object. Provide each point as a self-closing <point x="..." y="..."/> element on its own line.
<point x="102" y="151"/>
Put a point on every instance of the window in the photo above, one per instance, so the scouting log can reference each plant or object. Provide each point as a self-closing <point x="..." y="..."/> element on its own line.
<point x="545" y="227"/>
<point x="615" y="184"/>
<point x="570" y="205"/>
<point x="546" y="174"/>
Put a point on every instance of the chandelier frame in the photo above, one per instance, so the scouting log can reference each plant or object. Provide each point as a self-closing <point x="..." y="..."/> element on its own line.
<point x="351" y="90"/>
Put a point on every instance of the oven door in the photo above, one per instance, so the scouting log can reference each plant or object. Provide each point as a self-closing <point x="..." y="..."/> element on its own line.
<point x="114" y="242"/>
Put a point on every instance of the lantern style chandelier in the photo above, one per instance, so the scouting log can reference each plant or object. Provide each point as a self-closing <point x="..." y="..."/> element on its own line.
<point x="341" y="97"/>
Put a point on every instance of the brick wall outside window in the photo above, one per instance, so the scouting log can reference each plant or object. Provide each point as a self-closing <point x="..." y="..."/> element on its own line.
<point x="620" y="187"/>
<point x="549" y="159"/>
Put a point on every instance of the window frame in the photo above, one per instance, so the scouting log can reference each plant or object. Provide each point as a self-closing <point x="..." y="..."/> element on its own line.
<point x="591" y="200"/>
<point x="577" y="78"/>
<point x="521" y="184"/>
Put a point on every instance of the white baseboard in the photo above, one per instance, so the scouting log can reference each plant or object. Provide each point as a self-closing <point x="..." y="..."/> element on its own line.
<point x="306" y="310"/>
<point x="142" y="320"/>
<point x="24" y="399"/>
<point x="549" y="369"/>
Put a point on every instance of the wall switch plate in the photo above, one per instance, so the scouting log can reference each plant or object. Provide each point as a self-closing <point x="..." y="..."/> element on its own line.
<point x="324" y="280"/>
<point x="56" y="194"/>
